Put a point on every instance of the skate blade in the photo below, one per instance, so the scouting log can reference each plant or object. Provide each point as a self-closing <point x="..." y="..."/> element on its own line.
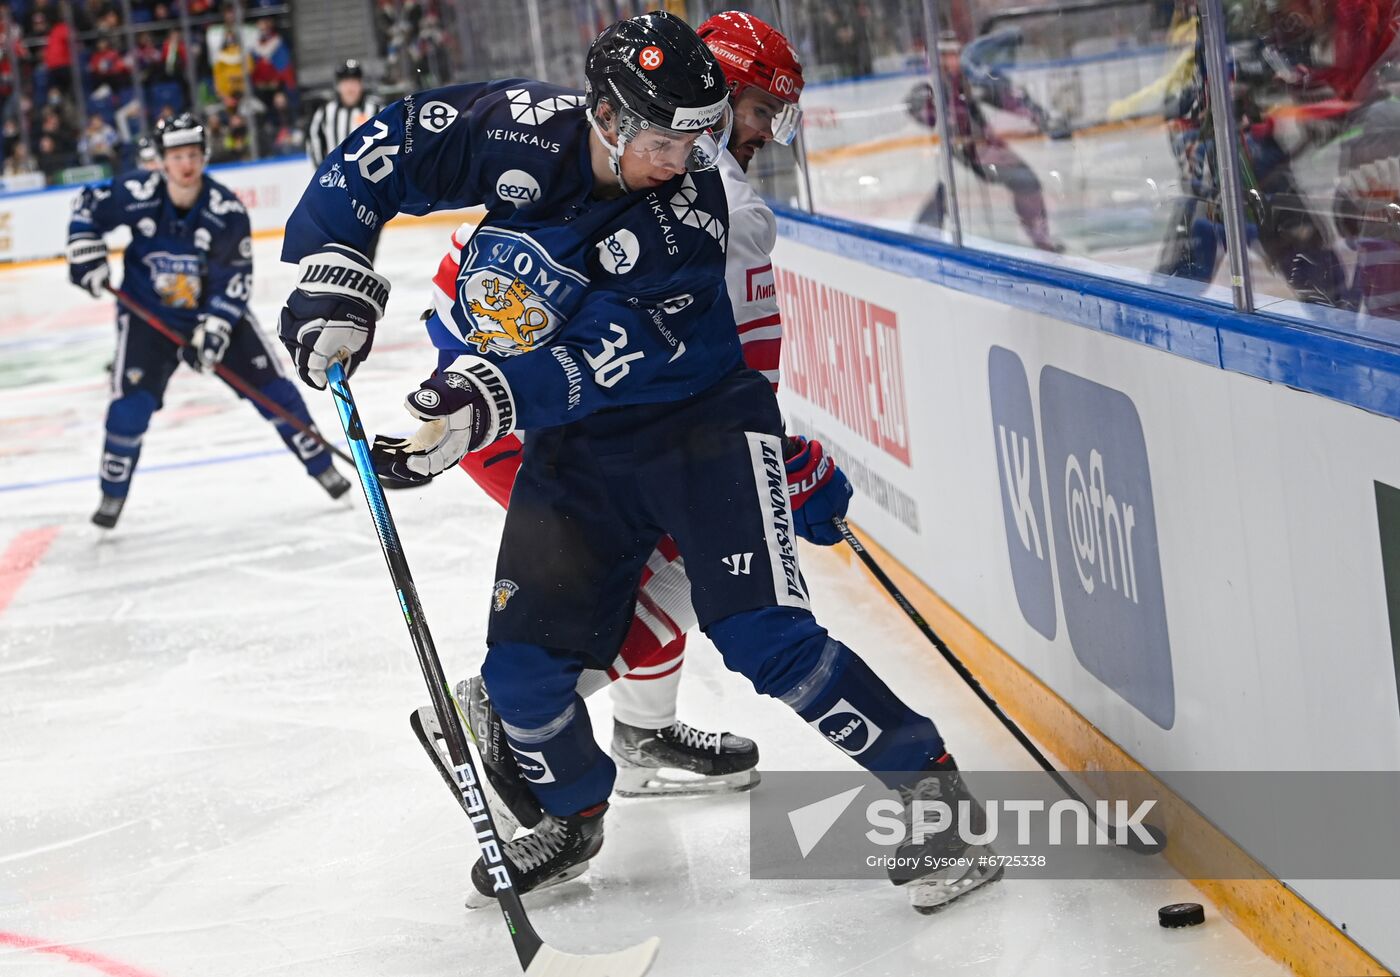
<point x="475" y="900"/>
<point x="674" y="782"/>
<point x="929" y="895"/>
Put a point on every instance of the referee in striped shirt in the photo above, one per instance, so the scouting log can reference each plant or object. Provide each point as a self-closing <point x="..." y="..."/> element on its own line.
<point x="337" y="119"/>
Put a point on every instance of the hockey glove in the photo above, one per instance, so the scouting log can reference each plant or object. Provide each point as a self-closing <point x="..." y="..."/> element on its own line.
<point x="331" y="314"/>
<point x="209" y="343"/>
<point x="87" y="265"/>
<point x="463" y="408"/>
<point x="819" y="491"/>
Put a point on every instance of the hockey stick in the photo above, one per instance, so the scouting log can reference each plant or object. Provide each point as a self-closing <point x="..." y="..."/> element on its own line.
<point x="1131" y="842"/>
<point x="537" y="958"/>
<point x="228" y="376"/>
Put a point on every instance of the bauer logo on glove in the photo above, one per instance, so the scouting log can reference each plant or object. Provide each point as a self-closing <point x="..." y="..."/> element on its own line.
<point x="463" y="408"/>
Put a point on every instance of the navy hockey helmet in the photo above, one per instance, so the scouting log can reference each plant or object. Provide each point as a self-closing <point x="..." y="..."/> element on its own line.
<point x="663" y="80"/>
<point x="184" y="129"/>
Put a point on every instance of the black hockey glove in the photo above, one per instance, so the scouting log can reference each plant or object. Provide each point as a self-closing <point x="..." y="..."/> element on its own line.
<point x="87" y="265"/>
<point x="331" y="314"/>
<point x="209" y="343"/>
<point x="463" y="408"/>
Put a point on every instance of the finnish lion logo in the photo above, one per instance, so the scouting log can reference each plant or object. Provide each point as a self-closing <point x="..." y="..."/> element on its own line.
<point x="502" y="318"/>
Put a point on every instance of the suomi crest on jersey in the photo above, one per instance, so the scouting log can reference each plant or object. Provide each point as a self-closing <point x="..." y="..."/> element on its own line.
<point x="511" y="296"/>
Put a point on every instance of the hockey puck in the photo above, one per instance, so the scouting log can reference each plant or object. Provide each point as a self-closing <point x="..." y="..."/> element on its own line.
<point x="1180" y="914"/>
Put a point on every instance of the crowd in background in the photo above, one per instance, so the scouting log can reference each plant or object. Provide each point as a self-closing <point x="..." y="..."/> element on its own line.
<point x="80" y="86"/>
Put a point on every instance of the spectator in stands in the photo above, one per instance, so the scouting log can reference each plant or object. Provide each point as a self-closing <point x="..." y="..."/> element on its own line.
<point x="172" y="57"/>
<point x="99" y="142"/>
<point x="272" y="64"/>
<point x="108" y="68"/>
<point x="90" y="15"/>
<point x="58" y="57"/>
<point x="146" y="59"/>
<point x="52" y="156"/>
<point x="18" y="162"/>
<point x="280" y="133"/>
<point x="230" y="65"/>
<point x="11" y="58"/>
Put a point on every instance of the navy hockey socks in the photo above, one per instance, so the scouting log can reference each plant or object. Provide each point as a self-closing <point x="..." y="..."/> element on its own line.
<point x="787" y="655"/>
<point x="128" y="416"/>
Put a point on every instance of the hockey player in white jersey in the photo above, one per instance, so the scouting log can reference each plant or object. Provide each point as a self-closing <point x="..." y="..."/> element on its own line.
<point x="657" y="754"/>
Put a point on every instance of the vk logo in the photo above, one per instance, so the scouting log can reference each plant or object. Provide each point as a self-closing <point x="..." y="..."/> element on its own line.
<point x="738" y="563"/>
<point x="1098" y="533"/>
<point x="1022" y="499"/>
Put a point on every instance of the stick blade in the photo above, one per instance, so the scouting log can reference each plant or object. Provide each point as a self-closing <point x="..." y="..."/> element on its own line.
<point x="631" y="962"/>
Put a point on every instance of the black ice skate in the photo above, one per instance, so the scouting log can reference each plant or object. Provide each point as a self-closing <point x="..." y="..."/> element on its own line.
<point x="557" y="850"/>
<point x="109" y="510"/>
<point x="333" y="482"/>
<point x="681" y="761"/>
<point x="930" y="889"/>
<point x="512" y="802"/>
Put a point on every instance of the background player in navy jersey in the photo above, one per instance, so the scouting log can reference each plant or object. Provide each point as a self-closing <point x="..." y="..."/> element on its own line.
<point x="591" y="312"/>
<point x="191" y="261"/>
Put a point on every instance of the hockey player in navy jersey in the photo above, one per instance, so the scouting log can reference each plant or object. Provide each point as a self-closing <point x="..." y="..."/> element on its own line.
<point x="657" y="754"/>
<point x="591" y="312"/>
<point x="191" y="260"/>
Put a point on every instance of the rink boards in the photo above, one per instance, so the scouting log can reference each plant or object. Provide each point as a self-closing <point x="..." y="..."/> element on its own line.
<point x="1188" y="556"/>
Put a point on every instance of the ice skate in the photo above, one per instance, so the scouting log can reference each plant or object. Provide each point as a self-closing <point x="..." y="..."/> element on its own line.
<point x="109" y="510"/>
<point x="557" y="850"/>
<point x="681" y="761"/>
<point x="931" y="889"/>
<point x="333" y="482"/>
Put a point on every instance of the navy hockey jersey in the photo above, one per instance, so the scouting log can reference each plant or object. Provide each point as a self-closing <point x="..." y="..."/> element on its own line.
<point x="579" y="302"/>
<point x="201" y="261"/>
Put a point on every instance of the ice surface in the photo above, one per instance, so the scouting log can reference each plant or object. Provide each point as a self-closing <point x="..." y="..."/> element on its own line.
<point x="206" y="768"/>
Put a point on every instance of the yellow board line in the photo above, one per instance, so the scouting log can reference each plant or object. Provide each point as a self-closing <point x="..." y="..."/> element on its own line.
<point x="1277" y="919"/>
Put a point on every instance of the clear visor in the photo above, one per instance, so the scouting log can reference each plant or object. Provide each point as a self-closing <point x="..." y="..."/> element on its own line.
<point x="661" y="147"/>
<point x="771" y="115"/>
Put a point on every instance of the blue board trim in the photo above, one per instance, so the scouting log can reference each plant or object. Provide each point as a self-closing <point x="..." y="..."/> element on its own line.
<point x="1358" y="371"/>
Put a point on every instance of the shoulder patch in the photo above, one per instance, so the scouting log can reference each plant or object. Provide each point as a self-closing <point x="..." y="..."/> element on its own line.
<point x="686" y="204"/>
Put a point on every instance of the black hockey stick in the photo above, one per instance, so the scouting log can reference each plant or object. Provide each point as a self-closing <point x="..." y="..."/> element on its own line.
<point x="537" y="958"/>
<point x="1132" y="842"/>
<point x="229" y="377"/>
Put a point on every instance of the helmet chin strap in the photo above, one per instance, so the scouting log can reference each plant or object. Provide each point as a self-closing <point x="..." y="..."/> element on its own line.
<point x="615" y="150"/>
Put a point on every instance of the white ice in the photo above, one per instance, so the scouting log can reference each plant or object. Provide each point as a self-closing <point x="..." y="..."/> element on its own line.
<point x="205" y="763"/>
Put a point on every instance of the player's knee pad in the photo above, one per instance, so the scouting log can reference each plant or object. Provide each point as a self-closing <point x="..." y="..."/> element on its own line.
<point x="776" y="648"/>
<point x="130" y="414"/>
<point x="830" y="687"/>
<point x="530" y="685"/>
